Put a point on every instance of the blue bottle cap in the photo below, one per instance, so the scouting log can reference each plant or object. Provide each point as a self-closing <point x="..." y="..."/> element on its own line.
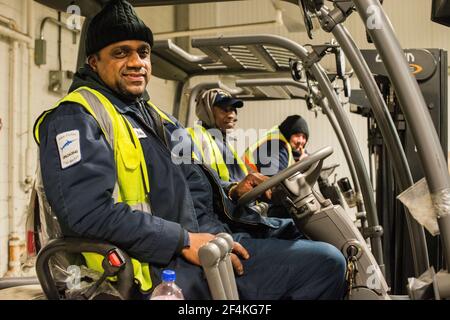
<point x="168" y="275"/>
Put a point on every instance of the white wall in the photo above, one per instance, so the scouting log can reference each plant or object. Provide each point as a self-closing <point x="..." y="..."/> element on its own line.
<point x="160" y="19"/>
<point x="3" y="164"/>
<point x="42" y="100"/>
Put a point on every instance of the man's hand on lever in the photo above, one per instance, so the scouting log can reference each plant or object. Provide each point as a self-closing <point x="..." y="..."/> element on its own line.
<point x="199" y="239"/>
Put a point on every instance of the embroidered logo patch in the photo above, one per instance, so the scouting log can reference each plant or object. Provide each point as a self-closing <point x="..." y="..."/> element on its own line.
<point x="140" y="133"/>
<point x="69" y="148"/>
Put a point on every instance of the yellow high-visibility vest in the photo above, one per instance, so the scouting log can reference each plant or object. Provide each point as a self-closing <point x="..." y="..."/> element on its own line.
<point x="272" y="134"/>
<point x="132" y="185"/>
<point x="211" y="154"/>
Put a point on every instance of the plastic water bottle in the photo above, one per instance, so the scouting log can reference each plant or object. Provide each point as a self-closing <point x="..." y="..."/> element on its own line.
<point x="167" y="289"/>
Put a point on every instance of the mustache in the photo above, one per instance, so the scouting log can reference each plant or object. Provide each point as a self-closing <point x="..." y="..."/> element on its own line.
<point x="139" y="71"/>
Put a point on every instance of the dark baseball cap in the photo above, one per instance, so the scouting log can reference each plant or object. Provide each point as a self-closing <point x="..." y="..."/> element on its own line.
<point x="224" y="100"/>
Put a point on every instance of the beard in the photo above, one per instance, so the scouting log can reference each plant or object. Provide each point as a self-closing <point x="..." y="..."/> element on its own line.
<point x="126" y="93"/>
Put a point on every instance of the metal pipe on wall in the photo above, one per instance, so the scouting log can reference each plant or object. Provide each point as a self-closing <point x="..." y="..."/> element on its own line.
<point x="29" y="152"/>
<point x="10" y="22"/>
<point x="13" y="237"/>
<point x="28" y="40"/>
<point x="16" y="37"/>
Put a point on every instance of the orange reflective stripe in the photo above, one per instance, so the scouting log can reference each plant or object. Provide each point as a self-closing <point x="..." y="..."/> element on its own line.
<point x="250" y="166"/>
<point x="273" y="134"/>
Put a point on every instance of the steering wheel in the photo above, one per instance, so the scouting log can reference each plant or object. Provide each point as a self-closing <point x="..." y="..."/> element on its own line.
<point x="286" y="173"/>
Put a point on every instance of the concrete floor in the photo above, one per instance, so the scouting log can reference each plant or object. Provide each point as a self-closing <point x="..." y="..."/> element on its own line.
<point x="30" y="292"/>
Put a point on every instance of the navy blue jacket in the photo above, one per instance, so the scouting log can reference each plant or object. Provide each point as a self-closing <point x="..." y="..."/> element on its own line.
<point x="271" y="157"/>
<point x="185" y="197"/>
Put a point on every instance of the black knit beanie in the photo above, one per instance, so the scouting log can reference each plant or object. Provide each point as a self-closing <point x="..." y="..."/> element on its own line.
<point x="116" y="22"/>
<point x="292" y="125"/>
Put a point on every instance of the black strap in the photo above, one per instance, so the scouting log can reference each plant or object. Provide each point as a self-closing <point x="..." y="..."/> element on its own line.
<point x="157" y="120"/>
<point x="153" y="121"/>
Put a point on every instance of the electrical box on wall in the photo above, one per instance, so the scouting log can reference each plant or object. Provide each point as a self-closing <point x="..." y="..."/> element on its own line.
<point x="40" y="52"/>
<point x="60" y="81"/>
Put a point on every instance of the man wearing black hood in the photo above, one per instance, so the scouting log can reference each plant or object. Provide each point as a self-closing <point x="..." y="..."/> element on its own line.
<point x="281" y="147"/>
<point x="109" y="174"/>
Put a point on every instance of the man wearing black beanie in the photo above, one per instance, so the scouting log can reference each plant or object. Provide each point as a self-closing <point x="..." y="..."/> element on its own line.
<point x="109" y="173"/>
<point x="295" y="129"/>
<point x="279" y="148"/>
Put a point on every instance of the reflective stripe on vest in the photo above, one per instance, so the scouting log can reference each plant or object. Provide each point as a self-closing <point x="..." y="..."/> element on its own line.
<point x="211" y="154"/>
<point x="132" y="184"/>
<point x="272" y="134"/>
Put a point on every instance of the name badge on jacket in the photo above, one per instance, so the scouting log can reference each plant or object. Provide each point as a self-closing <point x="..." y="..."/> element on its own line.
<point x="69" y="148"/>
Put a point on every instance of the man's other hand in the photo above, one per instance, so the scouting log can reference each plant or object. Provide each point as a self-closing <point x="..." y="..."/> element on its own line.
<point x="249" y="182"/>
<point x="238" y="250"/>
<point x="196" y="240"/>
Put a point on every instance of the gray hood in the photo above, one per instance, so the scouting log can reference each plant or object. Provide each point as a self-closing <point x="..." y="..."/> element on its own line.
<point x="203" y="108"/>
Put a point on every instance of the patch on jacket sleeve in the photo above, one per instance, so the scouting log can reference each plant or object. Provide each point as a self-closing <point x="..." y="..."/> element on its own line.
<point x="69" y="148"/>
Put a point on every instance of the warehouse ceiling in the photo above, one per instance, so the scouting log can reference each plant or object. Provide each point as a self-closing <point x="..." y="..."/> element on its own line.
<point x="90" y="7"/>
